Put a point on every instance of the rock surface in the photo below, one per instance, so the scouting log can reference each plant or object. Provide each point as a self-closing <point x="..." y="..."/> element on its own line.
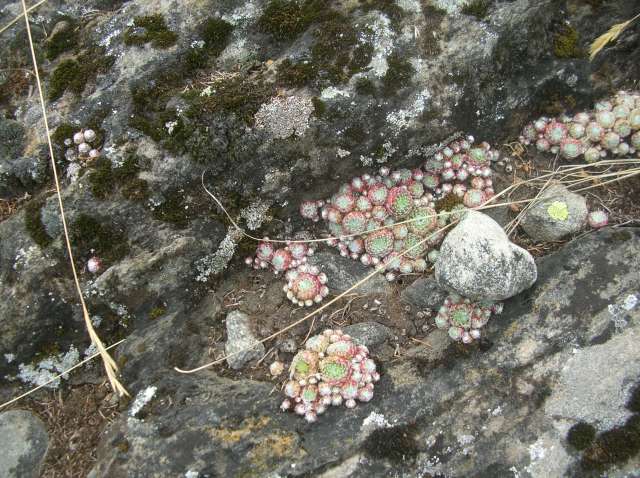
<point x="275" y="113"/>
<point x="425" y="293"/>
<point x="478" y="261"/>
<point x="369" y="334"/>
<point x="506" y="404"/>
<point x="557" y="214"/>
<point x="342" y="273"/>
<point x="23" y="441"/>
<point x="240" y="336"/>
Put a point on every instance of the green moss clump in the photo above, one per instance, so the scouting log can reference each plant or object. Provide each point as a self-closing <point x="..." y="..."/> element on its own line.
<point x="581" y="435"/>
<point x="366" y="87"/>
<point x="89" y="234"/>
<point x="157" y="312"/>
<point x="101" y="178"/>
<point x="360" y="58"/>
<point x="239" y="96"/>
<point x="286" y="20"/>
<point x="68" y="75"/>
<point x="172" y="210"/>
<point x="398" y="74"/>
<point x="33" y="223"/>
<point x="136" y="190"/>
<point x="150" y="29"/>
<point x="297" y="74"/>
<point x="319" y="107"/>
<point x="477" y="8"/>
<point x="398" y="444"/>
<point x="331" y="51"/>
<point x="388" y="7"/>
<point x="63" y="40"/>
<point x="566" y="44"/>
<point x="613" y="446"/>
<point x="62" y="132"/>
<point x="216" y="33"/>
<point x="73" y="75"/>
<point x="104" y="179"/>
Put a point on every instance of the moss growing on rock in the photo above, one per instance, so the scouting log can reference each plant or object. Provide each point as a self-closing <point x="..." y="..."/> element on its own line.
<point x="397" y="444"/>
<point x="216" y="33"/>
<point x="388" y="7"/>
<point x="319" y="107"/>
<point x="68" y="75"/>
<point x="286" y="20"/>
<point x="581" y="435"/>
<point x="613" y="446"/>
<point x="73" y="75"/>
<point x="90" y="235"/>
<point x="334" y="39"/>
<point x="296" y="74"/>
<point x="64" y="38"/>
<point x="33" y="223"/>
<point x="104" y="178"/>
<point x="173" y="211"/>
<point x="150" y="29"/>
<point x="365" y="86"/>
<point x="566" y="44"/>
<point x="477" y="8"/>
<point x="398" y="74"/>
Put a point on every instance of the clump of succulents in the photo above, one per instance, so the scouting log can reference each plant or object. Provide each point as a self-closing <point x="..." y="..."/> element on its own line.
<point x="331" y="370"/>
<point x="375" y="218"/>
<point x="611" y="128"/>
<point x="598" y="219"/>
<point x="79" y="147"/>
<point x="463" y="319"/>
<point x="304" y="285"/>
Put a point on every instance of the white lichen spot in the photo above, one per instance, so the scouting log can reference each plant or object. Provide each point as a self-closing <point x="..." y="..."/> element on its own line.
<point x="366" y="161"/>
<point x="284" y="117"/>
<point x="255" y="214"/>
<point x="373" y="422"/>
<point x="342" y="153"/>
<point x="465" y="439"/>
<point x="403" y="118"/>
<point x="244" y="14"/>
<point x="191" y="474"/>
<point x="537" y="451"/>
<point x="26" y="257"/>
<point x="215" y="263"/>
<point x="45" y="370"/>
<point x="331" y="93"/>
<point x="142" y="398"/>
<point x="171" y="126"/>
<point x="382" y="40"/>
<point x="630" y="302"/>
<point x="9" y="357"/>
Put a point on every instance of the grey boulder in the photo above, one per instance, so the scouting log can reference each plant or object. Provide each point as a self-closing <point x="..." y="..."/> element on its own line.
<point x="477" y="260"/>
<point x="558" y="213"/>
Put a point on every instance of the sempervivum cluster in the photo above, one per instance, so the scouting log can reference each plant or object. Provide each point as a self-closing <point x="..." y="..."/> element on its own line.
<point x="279" y="259"/>
<point x="363" y="216"/>
<point x="79" y="147"/>
<point x="464" y="318"/>
<point x="306" y="285"/>
<point x="331" y="370"/>
<point x="613" y="127"/>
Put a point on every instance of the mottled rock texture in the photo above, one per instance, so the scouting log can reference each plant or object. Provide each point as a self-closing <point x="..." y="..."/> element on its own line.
<point x="504" y="404"/>
<point x="478" y="261"/>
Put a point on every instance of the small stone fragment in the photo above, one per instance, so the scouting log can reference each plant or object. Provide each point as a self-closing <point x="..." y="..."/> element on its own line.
<point x="242" y="345"/>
